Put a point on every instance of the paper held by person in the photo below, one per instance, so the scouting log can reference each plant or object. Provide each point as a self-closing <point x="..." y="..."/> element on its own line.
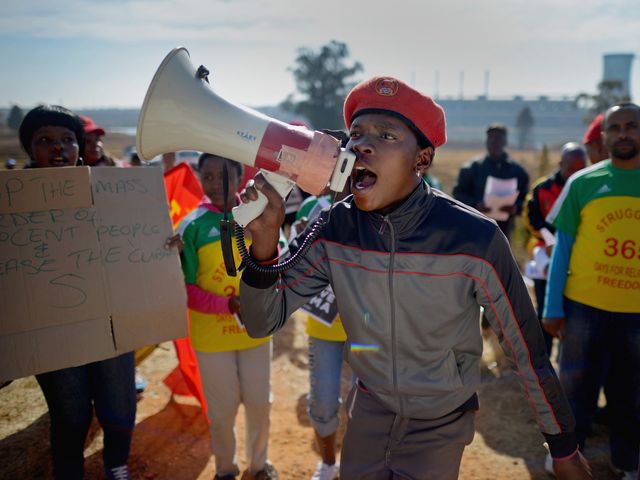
<point x="536" y="268"/>
<point x="498" y="193"/>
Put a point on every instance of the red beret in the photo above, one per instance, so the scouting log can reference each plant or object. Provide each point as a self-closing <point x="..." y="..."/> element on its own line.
<point x="90" y="126"/>
<point x="594" y="131"/>
<point x="390" y="95"/>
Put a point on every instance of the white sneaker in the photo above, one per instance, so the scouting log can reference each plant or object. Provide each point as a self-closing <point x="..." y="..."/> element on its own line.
<point x="548" y="465"/>
<point x="118" y="473"/>
<point x="326" y="472"/>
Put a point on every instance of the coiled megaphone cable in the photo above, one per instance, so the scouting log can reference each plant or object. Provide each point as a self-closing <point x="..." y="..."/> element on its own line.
<point x="314" y="232"/>
<point x="249" y="262"/>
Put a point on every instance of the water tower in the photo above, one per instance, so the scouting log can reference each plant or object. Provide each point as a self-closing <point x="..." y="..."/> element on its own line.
<point x="617" y="66"/>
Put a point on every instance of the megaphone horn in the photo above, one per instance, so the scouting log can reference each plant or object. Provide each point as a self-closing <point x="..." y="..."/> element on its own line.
<point x="181" y="112"/>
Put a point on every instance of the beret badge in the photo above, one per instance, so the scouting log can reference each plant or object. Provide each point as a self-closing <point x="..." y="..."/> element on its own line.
<point x="387" y="87"/>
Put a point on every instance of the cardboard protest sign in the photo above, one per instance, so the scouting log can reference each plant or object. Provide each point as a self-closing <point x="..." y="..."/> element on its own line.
<point x="323" y="307"/>
<point x="84" y="275"/>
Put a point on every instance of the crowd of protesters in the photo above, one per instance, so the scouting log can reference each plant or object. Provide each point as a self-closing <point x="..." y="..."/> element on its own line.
<point x="423" y="268"/>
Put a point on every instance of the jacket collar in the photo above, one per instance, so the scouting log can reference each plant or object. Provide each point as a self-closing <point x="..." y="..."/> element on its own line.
<point x="504" y="158"/>
<point x="405" y="217"/>
<point x="557" y="178"/>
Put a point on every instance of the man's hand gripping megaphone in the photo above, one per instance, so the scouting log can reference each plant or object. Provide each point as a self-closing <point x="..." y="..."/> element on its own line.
<point x="262" y="210"/>
<point x="265" y="227"/>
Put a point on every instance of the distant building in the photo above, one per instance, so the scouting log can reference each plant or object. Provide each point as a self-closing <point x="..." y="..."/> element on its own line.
<point x="617" y="67"/>
<point x="556" y="120"/>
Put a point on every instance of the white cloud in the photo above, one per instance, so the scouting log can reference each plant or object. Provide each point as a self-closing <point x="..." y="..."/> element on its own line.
<point x="458" y="24"/>
<point x="546" y="46"/>
<point x="148" y="20"/>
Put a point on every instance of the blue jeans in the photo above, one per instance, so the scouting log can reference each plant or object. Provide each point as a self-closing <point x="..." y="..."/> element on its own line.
<point x="325" y="368"/>
<point x="594" y="340"/>
<point x="72" y="394"/>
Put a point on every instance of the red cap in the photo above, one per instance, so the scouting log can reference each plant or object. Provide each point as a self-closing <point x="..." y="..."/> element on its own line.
<point x="594" y="131"/>
<point x="389" y="95"/>
<point x="90" y="126"/>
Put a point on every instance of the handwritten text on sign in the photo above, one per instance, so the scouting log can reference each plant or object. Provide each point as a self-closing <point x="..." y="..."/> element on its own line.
<point x="83" y="272"/>
<point x="72" y="240"/>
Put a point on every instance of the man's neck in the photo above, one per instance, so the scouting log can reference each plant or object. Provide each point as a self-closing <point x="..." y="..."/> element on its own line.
<point x="395" y="205"/>
<point x="628" y="164"/>
<point x="497" y="157"/>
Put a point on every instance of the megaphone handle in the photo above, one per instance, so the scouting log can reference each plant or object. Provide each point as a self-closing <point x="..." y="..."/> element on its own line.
<point x="245" y="213"/>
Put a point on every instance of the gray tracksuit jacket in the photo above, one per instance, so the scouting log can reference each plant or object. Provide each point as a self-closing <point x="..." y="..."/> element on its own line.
<point x="409" y="287"/>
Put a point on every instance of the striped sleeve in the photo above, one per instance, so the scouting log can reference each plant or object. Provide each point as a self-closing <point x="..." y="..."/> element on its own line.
<point x="508" y="308"/>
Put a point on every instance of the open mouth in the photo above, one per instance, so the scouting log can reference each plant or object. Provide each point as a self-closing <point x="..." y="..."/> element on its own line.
<point x="59" y="161"/>
<point x="362" y="178"/>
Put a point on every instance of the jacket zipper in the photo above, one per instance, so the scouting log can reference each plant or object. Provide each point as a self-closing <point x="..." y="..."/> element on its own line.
<point x="392" y="233"/>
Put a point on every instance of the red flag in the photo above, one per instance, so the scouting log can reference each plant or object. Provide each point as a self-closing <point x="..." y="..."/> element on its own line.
<point x="249" y="173"/>
<point x="184" y="194"/>
<point x="185" y="378"/>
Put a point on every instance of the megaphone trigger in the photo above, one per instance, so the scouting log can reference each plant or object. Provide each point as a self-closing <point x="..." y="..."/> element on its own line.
<point x="245" y="213"/>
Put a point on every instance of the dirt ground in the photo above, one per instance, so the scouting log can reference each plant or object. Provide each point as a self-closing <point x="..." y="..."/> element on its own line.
<point x="171" y="439"/>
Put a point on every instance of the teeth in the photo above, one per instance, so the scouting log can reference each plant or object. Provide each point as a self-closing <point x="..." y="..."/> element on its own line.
<point x="360" y="168"/>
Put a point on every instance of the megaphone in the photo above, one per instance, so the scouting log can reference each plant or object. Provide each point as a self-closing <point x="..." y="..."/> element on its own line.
<point x="181" y="112"/>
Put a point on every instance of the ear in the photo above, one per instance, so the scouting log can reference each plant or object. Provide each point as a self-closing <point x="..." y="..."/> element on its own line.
<point x="424" y="158"/>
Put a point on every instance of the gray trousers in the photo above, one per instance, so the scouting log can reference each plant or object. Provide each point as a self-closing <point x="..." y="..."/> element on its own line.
<point x="228" y="379"/>
<point x="380" y="445"/>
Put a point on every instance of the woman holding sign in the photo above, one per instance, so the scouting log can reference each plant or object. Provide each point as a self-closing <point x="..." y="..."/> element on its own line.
<point x="53" y="136"/>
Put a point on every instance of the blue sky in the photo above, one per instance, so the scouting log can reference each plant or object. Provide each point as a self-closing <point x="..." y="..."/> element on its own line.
<point x="103" y="53"/>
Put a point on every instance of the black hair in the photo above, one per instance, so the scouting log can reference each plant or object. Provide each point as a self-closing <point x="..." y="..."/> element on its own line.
<point x="55" y="115"/>
<point x="620" y="106"/>
<point x="497" y="127"/>
<point x="237" y="165"/>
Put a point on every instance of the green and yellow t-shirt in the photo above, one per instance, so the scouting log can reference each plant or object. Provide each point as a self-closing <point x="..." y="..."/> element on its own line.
<point x="203" y="266"/>
<point x="600" y="207"/>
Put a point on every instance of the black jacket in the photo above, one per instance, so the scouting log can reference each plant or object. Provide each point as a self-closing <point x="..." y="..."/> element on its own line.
<point x="473" y="178"/>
